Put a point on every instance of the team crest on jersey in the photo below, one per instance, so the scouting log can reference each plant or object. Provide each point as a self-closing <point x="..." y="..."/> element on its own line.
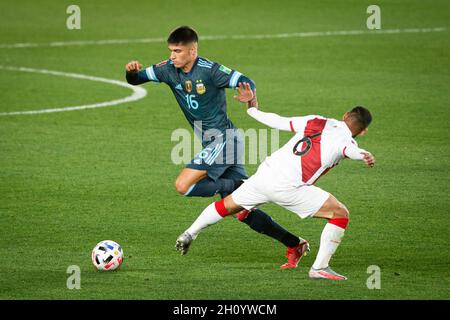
<point x="188" y="85"/>
<point x="200" y="87"/>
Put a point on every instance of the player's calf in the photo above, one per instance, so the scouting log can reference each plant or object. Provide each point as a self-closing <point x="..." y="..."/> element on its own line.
<point x="212" y="214"/>
<point x="338" y="217"/>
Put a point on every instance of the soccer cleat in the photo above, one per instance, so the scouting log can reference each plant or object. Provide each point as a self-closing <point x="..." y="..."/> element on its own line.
<point x="183" y="243"/>
<point x="325" y="273"/>
<point x="295" y="254"/>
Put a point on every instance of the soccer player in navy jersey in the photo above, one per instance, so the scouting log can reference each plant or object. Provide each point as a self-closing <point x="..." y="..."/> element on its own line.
<point x="198" y="85"/>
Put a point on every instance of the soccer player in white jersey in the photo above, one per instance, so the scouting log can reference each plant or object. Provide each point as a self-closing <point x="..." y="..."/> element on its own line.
<point x="287" y="178"/>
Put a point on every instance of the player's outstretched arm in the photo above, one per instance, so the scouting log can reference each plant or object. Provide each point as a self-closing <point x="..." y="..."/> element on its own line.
<point x="272" y="120"/>
<point x="353" y="152"/>
<point x="134" y="74"/>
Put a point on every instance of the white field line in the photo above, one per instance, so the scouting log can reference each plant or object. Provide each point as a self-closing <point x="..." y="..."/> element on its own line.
<point x="225" y="37"/>
<point x="138" y="92"/>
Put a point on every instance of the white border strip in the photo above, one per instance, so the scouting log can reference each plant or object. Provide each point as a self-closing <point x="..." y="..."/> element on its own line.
<point x="225" y="37"/>
<point x="138" y="92"/>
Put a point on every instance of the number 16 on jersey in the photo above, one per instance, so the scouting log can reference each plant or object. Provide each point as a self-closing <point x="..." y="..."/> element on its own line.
<point x="193" y="104"/>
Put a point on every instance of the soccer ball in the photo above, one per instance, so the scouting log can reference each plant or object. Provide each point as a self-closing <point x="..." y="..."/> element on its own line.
<point x="107" y="255"/>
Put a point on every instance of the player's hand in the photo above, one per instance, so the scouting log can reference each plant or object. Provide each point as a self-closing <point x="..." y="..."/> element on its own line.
<point x="245" y="92"/>
<point x="133" y="66"/>
<point x="254" y="102"/>
<point x="368" y="159"/>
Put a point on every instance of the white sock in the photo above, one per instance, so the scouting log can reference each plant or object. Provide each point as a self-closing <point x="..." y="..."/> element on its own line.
<point x="208" y="217"/>
<point x="329" y="241"/>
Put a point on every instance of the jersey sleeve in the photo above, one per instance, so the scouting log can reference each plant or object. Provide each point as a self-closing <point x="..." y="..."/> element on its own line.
<point x="159" y="72"/>
<point x="156" y="73"/>
<point x="136" y="78"/>
<point x="224" y="77"/>
<point x="272" y="120"/>
<point x="351" y="150"/>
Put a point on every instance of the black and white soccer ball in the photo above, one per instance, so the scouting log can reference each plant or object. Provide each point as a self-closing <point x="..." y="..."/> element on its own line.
<point x="107" y="255"/>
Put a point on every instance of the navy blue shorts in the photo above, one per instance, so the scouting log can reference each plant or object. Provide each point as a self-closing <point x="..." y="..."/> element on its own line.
<point x="222" y="158"/>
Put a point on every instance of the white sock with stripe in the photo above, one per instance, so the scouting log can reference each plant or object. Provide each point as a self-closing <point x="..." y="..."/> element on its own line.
<point x="329" y="241"/>
<point x="208" y="217"/>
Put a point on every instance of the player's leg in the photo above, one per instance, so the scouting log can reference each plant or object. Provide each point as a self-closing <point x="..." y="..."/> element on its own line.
<point x="196" y="183"/>
<point x="201" y="177"/>
<point x="247" y="198"/>
<point x="255" y="191"/>
<point x="212" y="214"/>
<point x="338" y="217"/>
<point x="187" y="178"/>
<point x="261" y="222"/>
<point x="256" y="218"/>
<point x="215" y="212"/>
<point x="227" y="206"/>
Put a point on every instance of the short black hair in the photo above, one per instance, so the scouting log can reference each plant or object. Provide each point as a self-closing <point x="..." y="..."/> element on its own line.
<point x="182" y="35"/>
<point x="361" y="116"/>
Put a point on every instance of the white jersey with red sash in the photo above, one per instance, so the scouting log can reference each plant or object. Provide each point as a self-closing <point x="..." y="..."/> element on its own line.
<point x="318" y="145"/>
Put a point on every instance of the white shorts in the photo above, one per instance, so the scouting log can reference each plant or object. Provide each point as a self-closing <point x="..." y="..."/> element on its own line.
<point x="265" y="186"/>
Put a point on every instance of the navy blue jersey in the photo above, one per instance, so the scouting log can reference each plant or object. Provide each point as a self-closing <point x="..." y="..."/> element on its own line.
<point x="200" y="93"/>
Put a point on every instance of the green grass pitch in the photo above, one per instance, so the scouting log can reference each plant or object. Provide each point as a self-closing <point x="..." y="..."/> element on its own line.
<point x="71" y="179"/>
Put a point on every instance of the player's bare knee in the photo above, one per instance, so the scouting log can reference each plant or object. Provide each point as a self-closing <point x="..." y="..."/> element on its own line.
<point x="181" y="186"/>
<point x="341" y="211"/>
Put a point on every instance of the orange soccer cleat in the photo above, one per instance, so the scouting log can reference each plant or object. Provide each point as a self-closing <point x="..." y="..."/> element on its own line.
<point x="294" y="254"/>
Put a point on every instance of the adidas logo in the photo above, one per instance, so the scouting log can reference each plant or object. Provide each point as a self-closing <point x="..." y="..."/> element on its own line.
<point x="179" y="87"/>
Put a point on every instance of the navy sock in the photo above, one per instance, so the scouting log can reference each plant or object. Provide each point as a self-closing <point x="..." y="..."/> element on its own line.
<point x="208" y="187"/>
<point x="261" y="222"/>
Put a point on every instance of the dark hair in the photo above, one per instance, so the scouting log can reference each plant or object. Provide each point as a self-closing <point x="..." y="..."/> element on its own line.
<point x="361" y="116"/>
<point x="182" y="35"/>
